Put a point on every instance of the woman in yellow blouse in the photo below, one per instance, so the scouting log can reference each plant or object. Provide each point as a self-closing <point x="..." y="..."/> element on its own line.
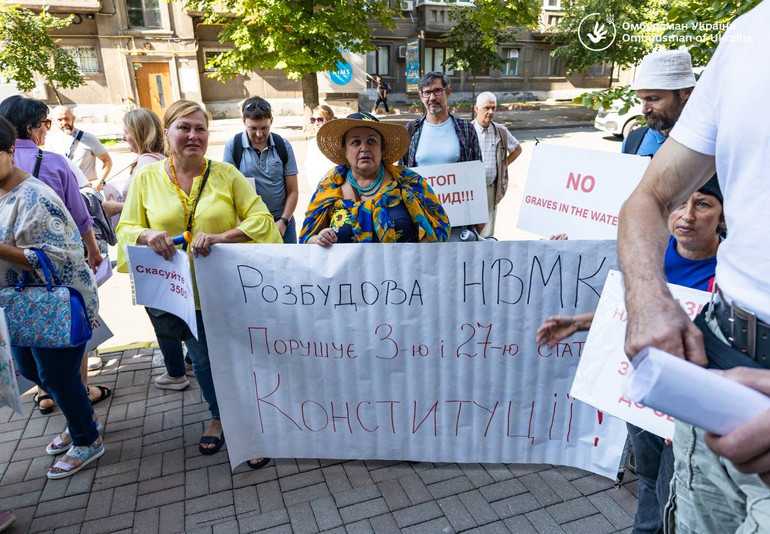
<point x="219" y="204"/>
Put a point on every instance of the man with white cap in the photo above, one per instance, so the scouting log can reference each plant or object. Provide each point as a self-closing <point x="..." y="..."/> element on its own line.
<point x="663" y="82"/>
<point x="720" y="482"/>
<point x="498" y="150"/>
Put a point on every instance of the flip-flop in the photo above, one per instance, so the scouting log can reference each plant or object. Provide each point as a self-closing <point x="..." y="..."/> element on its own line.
<point x="258" y="465"/>
<point x="104" y="394"/>
<point x="211" y="440"/>
<point x="37" y="398"/>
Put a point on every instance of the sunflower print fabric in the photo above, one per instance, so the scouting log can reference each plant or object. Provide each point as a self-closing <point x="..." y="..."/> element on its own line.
<point x="369" y="219"/>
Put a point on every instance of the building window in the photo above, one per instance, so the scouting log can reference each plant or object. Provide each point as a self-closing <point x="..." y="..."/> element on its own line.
<point x="556" y="66"/>
<point x="143" y="13"/>
<point x="208" y="55"/>
<point x="378" y="61"/>
<point x="511" y="58"/>
<point x="600" y="69"/>
<point x="85" y="57"/>
<point x="553" y="4"/>
<point x="553" y="20"/>
<point x="435" y="58"/>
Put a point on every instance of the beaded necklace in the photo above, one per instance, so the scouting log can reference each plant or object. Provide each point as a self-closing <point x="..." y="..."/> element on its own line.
<point x="366" y="191"/>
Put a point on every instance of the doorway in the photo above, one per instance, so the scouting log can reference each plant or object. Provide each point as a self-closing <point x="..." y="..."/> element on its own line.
<point x="154" y="86"/>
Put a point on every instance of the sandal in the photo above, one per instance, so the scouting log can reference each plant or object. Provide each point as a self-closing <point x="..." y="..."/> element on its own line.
<point x="63" y="441"/>
<point x="104" y="393"/>
<point x="82" y="454"/>
<point x="217" y="443"/>
<point x="258" y="465"/>
<point x="37" y="398"/>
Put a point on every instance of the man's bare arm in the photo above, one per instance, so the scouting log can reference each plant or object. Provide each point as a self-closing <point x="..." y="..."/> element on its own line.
<point x="653" y="316"/>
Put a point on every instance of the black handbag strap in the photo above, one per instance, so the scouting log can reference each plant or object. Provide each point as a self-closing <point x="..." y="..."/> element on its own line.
<point x="71" y="151"/>
<point x="38" y="162"/>
<point x="198" y="198"/>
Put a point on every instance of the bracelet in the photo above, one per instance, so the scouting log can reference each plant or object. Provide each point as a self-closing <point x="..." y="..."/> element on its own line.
<point x="284" y="219"/>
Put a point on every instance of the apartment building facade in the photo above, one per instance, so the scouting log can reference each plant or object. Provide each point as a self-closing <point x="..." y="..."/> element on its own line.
<point x="150" y="53"/>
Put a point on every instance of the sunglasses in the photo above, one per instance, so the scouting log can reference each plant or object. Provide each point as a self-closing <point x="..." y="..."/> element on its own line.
<point x="254" y="106"/>
<point x="317" y="120"/>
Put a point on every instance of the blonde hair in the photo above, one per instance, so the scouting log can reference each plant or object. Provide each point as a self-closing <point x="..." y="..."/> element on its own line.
<point x="326" y="112"/>
<point x="144" y="127"/>
<point x="177" y="110"/>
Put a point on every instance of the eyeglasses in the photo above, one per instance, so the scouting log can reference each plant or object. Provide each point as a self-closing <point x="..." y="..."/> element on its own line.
<point x="46" y="123"/>
<point x="437" y="92"/>
<point x="317" y="120"/>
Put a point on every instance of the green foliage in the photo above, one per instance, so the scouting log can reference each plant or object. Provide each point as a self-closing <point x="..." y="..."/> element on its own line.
<point x="27" y="48"/>
<point x="480" y="30"/>
<point x="604" y="99"/>
<point x="298" y="36"/>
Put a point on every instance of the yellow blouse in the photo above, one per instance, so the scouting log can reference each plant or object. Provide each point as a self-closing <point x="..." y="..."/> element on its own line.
<point x="228" y="201"/>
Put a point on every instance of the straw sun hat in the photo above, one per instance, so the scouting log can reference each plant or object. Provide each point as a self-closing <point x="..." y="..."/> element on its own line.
<point x="395" y="137"/>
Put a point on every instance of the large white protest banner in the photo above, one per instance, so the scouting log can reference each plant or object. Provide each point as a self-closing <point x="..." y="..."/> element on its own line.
<point x="163" y="284"/>
<point x="423" y="352"/>
<point x="9" y="386"/>
<point x="462" y="190"/>
<point x="577" y="191"/>
<point x="605" y="363"/>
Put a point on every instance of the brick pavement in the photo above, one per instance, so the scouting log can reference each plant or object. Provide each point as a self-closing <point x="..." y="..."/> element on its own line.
<point x="152" y="479"/>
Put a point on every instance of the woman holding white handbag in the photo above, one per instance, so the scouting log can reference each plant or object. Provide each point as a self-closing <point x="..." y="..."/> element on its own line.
<point x="41" y="259"/>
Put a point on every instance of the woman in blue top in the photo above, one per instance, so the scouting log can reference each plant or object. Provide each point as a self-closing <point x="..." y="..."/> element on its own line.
<point x="696" y="227"/>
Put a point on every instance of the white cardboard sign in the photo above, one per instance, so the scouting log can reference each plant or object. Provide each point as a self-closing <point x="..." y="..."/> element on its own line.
<point x="461" y="188"/>
<point x="420" y="352"/>
<point x="577" y="191"/>
<point x="9" y="386"/>
<point x="162" y="284"/>
<point x="604" y="368"/>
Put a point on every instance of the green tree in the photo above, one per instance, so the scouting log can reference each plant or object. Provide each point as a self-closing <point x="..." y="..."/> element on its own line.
<point x="479" y="31"/>
<point x="301" y="37"/>
<point x="27" y="48"/>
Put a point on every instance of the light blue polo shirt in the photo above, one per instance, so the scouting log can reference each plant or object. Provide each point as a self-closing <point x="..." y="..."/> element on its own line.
<point x="267" y="170"/>
<point x="651" y="142"/>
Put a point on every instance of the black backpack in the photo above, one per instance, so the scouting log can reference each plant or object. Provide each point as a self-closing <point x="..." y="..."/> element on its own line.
<point x="103" y="229"/>
<point x="280" y="147"/>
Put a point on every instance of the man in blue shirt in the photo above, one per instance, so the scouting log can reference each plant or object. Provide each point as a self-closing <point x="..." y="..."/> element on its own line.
<point x="267" y="160"/>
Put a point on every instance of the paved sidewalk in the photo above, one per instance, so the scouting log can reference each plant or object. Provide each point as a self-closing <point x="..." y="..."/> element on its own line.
<point x="152" y="479"/>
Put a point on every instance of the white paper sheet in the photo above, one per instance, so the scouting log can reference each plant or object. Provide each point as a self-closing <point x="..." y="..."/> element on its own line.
<point x="104" y="271"/>
<point x="423" y="352"/>
<point x="9" y="386"/>
<point x="693" y="394"/>
<point x="166" y="285"/>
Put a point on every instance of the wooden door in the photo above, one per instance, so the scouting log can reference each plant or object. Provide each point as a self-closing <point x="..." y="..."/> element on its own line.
<point x="154" y="86"/>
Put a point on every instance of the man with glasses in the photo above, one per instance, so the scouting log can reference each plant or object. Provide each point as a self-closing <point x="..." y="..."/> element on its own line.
<point x="267" y="160"/>
<point x="438" y="136"/>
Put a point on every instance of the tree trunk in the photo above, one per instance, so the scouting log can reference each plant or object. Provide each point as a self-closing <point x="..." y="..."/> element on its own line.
<point x="612" y="70"/>
<point x="309" y="94"/>
<point x="56" y="93"/>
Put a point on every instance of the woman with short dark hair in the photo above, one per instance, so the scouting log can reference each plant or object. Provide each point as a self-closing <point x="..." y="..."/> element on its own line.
<point x="33" y="217"/>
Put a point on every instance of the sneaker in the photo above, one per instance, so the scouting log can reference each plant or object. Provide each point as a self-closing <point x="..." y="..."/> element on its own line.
<point x="82" y="454"/>
<point x="165" y="381"/>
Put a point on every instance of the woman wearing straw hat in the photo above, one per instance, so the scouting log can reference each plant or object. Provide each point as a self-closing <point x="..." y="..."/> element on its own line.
<point x="367" y="198"/>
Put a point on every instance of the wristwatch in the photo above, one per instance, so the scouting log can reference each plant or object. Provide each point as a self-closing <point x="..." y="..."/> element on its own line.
<point x="284" y="219"/>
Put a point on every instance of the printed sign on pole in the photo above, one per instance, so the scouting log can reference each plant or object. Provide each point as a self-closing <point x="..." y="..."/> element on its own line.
<point x="604" y="368"/>
<point x="412" y="65"/>
<point x="462" y="190"/>
<point x="165" y="285"/>
<point x="409" y="351"/>
<point x="577" y="191"/>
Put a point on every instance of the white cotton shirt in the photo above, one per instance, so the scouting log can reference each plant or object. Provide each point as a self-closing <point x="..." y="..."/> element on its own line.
<point x="727" y="117"/>
<point x="438" y="144"/>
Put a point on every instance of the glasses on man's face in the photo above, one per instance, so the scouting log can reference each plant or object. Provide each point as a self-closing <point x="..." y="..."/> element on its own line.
<point x="437" y="92"/>
<point x="317" y="120"/>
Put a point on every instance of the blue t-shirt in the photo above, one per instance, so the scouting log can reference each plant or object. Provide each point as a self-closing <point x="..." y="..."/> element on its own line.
<point x="697" y="274"/>
<point x="438" y="144"/>
<point x="651" y="142"/>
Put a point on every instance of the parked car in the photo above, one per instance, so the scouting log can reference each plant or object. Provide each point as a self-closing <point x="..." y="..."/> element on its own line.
<point x="617" y="124"/>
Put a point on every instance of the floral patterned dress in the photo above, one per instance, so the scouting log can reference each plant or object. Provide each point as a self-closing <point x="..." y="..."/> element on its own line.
<point x="33" y="216"/>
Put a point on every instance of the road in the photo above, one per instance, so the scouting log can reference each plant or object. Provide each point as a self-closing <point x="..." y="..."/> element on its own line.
<point x="130" y="324"/>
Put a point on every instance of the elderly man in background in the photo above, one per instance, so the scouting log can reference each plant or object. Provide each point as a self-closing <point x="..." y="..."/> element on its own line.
<point x="82" y="148"/>
<point x="498" y="150"/>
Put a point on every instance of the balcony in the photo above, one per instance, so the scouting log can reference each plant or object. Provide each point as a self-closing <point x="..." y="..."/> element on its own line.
<point x="62" y="6"/>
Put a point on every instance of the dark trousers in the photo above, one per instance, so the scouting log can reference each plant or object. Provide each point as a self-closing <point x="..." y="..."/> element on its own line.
<point x="170" y="347"/>
<point x="58" y="372"/>
<point x="655" y="468"/>
<point x="290" y="236"/>
<point x="382" y="100"/>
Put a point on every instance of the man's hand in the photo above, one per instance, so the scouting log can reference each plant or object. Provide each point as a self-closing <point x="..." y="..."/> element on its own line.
<point x="661" y="322"/>
<point x="554" y="329"/>
<point x="748" y="446"/>
<point x="94" y="260"/>
<point x="281" y="227"/>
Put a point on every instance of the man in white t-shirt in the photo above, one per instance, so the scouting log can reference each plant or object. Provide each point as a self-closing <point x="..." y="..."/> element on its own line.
<point x="82" y="148"/>
<point x="720" y="483"/>
<point x="499" y="148"/>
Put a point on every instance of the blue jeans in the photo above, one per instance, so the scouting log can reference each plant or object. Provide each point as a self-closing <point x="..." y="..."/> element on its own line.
<point x="290" y="237"/>
<point x="199" y="354"/>
<point x="58" y="372"/>
<point x="655" y="468"/>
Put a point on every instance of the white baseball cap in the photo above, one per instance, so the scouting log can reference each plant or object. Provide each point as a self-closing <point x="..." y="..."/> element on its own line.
<point x="664" y="70"/>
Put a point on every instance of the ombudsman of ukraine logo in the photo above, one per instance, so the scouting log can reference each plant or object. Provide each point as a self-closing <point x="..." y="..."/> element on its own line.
<point x="597" y="32"/>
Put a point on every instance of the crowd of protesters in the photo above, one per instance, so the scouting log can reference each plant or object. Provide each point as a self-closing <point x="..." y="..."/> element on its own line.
<point x="679" y="226"/>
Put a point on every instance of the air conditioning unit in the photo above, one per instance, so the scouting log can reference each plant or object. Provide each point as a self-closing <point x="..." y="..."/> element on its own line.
<point x="402" y="51"/>
<point x="407" y="5"/>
